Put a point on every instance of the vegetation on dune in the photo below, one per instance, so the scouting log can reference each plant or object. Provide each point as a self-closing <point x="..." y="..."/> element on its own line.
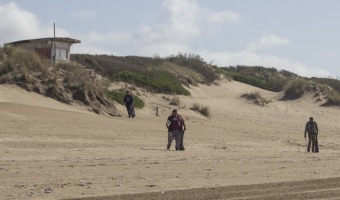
<point x="168" y="75"/>
<point x="65" y="82"/>
<point x="204" y="110"/>
<point x="294" y="89"/>
<point x="266" y="78"/>
<point x="196" y="63"/>
<point x="333" y="99"/>
<point x="160" y="75"/>
<point x="157" y="81"/>
<point x="256" y="98"/>
<point x="297" y="88"/>
<point x="175" y="101"/>
<point x="292" y="85"/>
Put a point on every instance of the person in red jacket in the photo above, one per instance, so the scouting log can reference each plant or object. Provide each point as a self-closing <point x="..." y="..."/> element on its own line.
<point x="175" y="125"/>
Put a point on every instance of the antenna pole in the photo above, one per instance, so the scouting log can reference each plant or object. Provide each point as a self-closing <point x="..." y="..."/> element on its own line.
<point x="53" y="45"/>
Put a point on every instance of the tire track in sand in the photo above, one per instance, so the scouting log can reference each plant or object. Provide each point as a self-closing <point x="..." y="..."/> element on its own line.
<point x="309" y="189"/>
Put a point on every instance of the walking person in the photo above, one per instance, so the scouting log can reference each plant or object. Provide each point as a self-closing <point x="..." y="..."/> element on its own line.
<point x="175" y="124"/>
<point x="312" y="130"/>
<point x="128" y="100"/>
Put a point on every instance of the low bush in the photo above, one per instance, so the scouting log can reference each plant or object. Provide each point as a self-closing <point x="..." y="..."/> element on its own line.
<point x="295" y="89"/>
<point x="204" y="110"/>
<point x="333" y="99"/>
<point x="255" y="98"/>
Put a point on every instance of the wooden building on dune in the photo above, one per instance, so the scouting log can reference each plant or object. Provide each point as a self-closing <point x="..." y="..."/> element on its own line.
<point x="56" y="49"/>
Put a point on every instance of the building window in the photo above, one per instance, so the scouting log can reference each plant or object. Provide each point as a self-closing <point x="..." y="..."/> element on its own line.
<point x="61" y="54"/>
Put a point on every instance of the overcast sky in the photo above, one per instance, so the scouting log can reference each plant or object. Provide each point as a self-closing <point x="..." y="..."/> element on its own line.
<point x="301" y="36"/>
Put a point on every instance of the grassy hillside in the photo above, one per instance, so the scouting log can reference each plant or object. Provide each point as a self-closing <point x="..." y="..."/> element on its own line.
<point x="161" y="75"/>
<point x="266" y="78"/>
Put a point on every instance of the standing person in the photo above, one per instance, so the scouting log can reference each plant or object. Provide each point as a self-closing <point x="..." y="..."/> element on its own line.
<point x="174" y="125"/>
<point x="312" y="130"/>
<point x="128" y="100"/>
<point x="183" y="128"/>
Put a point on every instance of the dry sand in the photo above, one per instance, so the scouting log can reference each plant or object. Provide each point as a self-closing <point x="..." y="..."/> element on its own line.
<point x="50" y="150"/>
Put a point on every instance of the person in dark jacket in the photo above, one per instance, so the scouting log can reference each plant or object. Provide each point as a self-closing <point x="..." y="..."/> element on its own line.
<point x="312" y="129"/>
<point x="128" y="100"/>
<point x="175" y="125"/>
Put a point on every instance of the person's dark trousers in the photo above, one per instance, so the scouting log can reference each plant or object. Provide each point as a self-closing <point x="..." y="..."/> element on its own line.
<point x="176" y="134"/>
<point x="311" y="141"/>
<point x="181" y="144"/>
<point x="129" y="109"/>
<point x="316" y="144"/>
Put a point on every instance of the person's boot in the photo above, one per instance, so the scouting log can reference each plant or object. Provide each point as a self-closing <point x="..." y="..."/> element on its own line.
<point x="168" y="147"/>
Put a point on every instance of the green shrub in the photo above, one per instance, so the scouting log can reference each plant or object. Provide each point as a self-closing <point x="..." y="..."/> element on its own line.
<point x="155" y="81"/>
<point x="118" y="96"/>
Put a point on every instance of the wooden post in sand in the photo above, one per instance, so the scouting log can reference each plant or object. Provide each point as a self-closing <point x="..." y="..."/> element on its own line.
<point x="156" y="110"/>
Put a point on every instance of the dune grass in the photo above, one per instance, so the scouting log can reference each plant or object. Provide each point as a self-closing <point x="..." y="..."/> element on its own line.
<point x="204" y="110"/>
<point x="65" y="82"/>
<point x="256" y="98"/>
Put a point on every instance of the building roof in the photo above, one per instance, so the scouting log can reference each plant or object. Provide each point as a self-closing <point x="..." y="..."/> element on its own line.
<point x="57" y="39"/>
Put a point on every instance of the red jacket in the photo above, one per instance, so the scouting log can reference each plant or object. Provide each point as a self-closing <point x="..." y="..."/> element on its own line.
<point x="175" y="123"/>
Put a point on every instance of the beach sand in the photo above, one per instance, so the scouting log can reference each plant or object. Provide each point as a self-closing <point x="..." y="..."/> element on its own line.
<point x="50" y="150"/>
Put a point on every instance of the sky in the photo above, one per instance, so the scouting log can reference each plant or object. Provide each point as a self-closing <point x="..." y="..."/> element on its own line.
<point x="301" y="36"/>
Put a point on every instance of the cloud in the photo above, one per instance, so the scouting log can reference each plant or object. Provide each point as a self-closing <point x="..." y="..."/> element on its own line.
<point x="83" y="15"/>
<point x="268" y="41"/>
<point x="18" y="24"/>
<point x="179" y="24"/>
<point x="224" y="17"/>
<point x="14" y="21"/>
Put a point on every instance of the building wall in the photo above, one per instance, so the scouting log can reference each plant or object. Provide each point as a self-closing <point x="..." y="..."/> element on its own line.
<point x="47" y="49"/>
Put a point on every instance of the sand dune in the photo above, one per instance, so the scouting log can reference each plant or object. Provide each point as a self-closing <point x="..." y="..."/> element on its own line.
<point x="50" y="150"/>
